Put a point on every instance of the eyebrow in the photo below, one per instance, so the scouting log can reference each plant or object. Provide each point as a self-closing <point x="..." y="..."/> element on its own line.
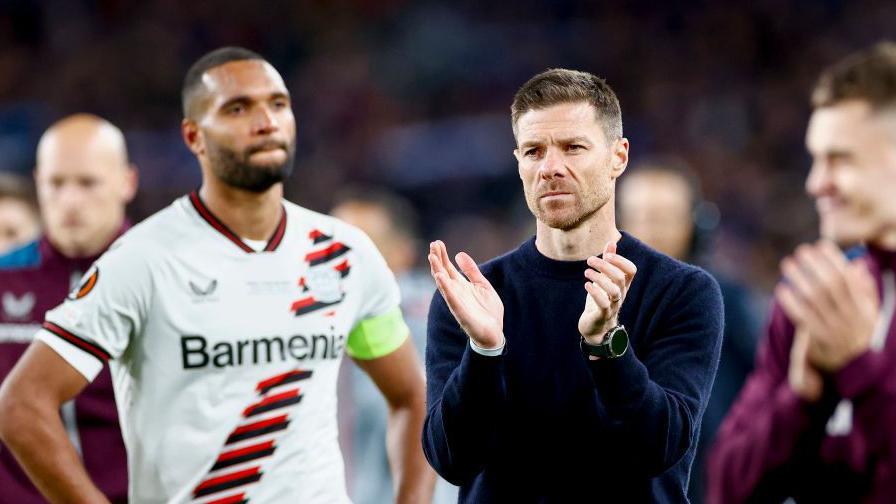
<point x="248" y="99"/>
<point x="563" y="141"/>
<point x="575" y="139"/>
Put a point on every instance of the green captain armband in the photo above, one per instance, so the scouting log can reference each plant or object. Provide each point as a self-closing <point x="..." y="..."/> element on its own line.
<point x="377" y="336"/>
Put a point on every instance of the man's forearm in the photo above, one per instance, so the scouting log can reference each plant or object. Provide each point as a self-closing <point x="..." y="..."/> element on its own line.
<point x="413" y="478"/>
<point x="37" y="438"/>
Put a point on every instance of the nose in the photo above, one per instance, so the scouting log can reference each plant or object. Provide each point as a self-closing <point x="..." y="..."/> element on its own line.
<point x="551" y="165"/>
<point x="265" y="121"/>
<point x="70" y="196"/>
<point x="820" y="181"/>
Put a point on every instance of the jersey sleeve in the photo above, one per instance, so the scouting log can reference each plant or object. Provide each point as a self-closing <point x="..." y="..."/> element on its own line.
<point x="380" y="327"/>
<point x="99" y="317"/>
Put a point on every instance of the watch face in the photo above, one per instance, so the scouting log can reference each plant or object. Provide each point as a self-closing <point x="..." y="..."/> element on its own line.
<point x="619" y="342"/>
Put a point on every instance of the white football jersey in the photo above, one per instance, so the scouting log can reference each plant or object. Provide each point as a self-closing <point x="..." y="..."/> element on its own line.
<point x="225" y="359"/>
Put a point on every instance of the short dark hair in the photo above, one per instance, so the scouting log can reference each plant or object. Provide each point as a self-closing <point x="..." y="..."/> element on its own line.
<point x="193" y="79"/>
<point x="868" y="75"/>
<point x="559" y="85"/>
<point x="18" y="188"/>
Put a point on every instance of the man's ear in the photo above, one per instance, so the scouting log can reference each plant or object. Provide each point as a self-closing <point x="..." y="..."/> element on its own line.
<point x="619" y="159"/>
<point x="132" y="178"/>
<point x="189" y="130"/>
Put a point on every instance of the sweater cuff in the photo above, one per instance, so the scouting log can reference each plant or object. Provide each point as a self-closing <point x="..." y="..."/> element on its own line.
<point x="859" y="375"/>
<point x="488" y="352"/>
<point x="481" y="377"/>
<point x="621" y="382"/>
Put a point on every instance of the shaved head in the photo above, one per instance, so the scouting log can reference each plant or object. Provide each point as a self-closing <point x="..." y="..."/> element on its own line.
<point x="83" y="182"/>
<point x="87" y="134"/>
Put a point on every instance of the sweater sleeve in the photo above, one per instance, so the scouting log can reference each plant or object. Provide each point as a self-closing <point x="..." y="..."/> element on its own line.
<point x="656" y="401"/>
<point x="465" y="398"/>
<point x="767" y="428"/>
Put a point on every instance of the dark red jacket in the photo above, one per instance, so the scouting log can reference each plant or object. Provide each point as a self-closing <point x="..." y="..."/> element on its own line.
<point x="773" y="445"/>
<point x="33" y="280"/>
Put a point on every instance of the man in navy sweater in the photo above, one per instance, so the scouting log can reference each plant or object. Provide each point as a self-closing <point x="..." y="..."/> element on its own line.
<point x="540" y="389"/>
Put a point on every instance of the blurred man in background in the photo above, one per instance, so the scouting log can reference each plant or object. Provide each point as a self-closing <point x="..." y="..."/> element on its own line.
<point x="660" y="203"/>
<point x="391" y="222"/>
<point x="84" y="182"/>
<point x="815" y="420"/>
<point x="19" y="222"/>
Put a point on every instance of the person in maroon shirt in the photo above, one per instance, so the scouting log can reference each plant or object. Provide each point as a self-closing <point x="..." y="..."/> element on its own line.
<point x="83" y="182"/>
<point x="816" y="421"/>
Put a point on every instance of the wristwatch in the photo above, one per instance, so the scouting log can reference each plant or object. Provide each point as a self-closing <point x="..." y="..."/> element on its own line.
<point x="613" y="346"/>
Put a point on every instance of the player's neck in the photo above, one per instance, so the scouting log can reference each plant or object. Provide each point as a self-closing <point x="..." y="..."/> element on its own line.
<point x="250" y="215"/>
<point x="577" y="244"/>
<point x="87" y="248"/>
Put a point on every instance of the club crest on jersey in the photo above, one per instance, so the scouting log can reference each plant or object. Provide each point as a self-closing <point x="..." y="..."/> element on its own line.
<point x="18" y="308"/>
<point x="87" y="283"/>
<point x="322" y="285"/>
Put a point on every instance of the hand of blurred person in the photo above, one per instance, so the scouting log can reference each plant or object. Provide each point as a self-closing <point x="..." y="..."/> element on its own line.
<point x="833" y="300"/>
<point x="474" y="302"/>
<point x="609" y="279"/>
<point x="804" y="379"/>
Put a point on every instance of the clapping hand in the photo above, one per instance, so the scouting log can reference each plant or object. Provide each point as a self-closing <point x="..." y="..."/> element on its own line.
<point x="472" y="300"/>
<point x="832" y="300"/>
<point x="609" y="279"/>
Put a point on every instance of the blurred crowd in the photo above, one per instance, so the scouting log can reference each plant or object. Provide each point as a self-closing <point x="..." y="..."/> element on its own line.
<point x="414" y="97"/>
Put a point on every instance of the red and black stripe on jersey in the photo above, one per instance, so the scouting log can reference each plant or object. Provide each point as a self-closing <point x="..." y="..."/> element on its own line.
<point x="92" y="348"/>
<point x="207" y="215"/>
<point x="228" y="481"/>
<point x="259" y="428"/>
<point x="273" y="402"/>
<point x="249" y="453"/>
<point x="331" y="252"/>
<point x="239" y="498"/>
<point x="247" y="430"/>
<point x="318" y="236"/>
<point x="291" y="377"/>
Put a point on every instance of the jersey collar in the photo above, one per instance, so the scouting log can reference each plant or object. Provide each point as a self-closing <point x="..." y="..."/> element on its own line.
<point x="209" y="217"/>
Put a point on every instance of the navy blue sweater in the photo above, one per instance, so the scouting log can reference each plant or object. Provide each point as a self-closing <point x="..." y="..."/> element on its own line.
<point x="541" y="423"/>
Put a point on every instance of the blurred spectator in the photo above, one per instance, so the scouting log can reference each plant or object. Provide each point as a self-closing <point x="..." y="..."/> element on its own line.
<point x="19" y="222"/>
<point x="84" y="181"/>
<point x="660" y="203"/>
<point x="391" y="223"/>
<point x="815" y="420"/>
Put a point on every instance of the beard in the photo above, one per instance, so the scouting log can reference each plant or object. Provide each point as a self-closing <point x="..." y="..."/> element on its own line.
<point x="566" y="216"/>
<point x="237" y="170"/>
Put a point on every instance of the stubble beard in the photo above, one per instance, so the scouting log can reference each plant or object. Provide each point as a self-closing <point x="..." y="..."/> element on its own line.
<point x="568" y="219"/>
<point x="237" y="171"/>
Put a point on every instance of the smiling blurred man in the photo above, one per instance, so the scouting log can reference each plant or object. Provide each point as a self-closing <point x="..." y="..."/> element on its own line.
<point x="223" y="319"/>
<point x="815" y="419"/>
<point x="84" y="181"/>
